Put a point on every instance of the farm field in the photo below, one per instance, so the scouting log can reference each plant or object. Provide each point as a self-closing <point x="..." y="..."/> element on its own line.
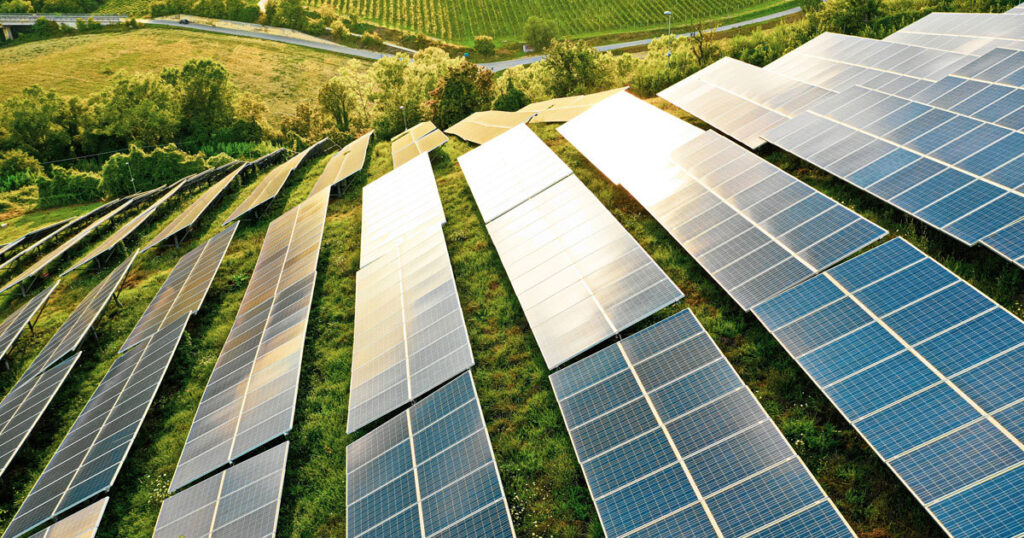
<point x="543" y="482"/>
<point x="282" y="74"/>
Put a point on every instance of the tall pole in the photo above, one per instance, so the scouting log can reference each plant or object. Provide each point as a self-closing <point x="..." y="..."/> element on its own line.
<point x="669" y="15"/>
<point x="405" y="123"/>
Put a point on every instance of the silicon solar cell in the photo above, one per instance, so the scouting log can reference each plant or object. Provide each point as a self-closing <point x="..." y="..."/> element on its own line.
<point x="241" y="501"/>
<point x="185" y="288"/>
<point x="510" y="169"/>
<point x="563" y="109"/>
<point x="410" y="335"/>
<point x="345" y="163"/>
<point x="429" y="471"/>
<point x="1018" y="10"/>
<point x="90" y="457"/>
<point x="192" y="213"/>
<point x="579" y="276"/>
<point x="126" y="230"/>
<point x="673" y="443"/>
<point x="419" y="140"/>
<point x="16" y="322"/>
<point x="926" y="368"/>
<point x="397" y="202"/>
<point x="480" y="127"/>
<point x="84" y="523"/>
<point x="966" y="33"/>
<point x="269" y="187"/>
<point x="250" y="398"/>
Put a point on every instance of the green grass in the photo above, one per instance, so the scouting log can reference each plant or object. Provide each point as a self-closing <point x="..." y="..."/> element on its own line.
<point x="32" y="219"/>
<point x="542" y="479"/>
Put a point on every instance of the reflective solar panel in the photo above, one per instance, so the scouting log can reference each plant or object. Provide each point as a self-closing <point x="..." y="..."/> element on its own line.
<point x="410" y="335"/>
<point x="8" y="247"/>
<point x="563" y="109"/>
<point x="510" y="169"/>
<point x="240" y="501"/>
<point x="345" y="163"/>
<point x="1018" y="10"/>
<point x="429" y="471"/>
<point x="397" y="202"/>
<point x="480" y="127"/>
<point x="185" y="288"/>
<point x="927" y="369"/>
<point x="579" y="276"/>
<point x="192" y="213"/>
<point x="418" y="140"/>
<point x="966" y="33"/>
<point x="271" y="185"/>
<point x="16" y="322"/>
<point x="268" y="159"/>
<point x="65" y="227"/>
<point x="672" y="443"/>
<point x="250" y="398"/>
<point x="90" y="457"/>
<point x="937" y="165"/>
<point x="82" y="524"/>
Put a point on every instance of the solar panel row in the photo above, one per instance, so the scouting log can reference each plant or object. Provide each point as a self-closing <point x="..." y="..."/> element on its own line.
<point x="410" y="336"/>
<point x="16" y="322"/>
<point x="268" y="159"/>
<point x="1017" y="10"/>
<point x="563" y="109"/>
<point x="271" y="185"/>
<point x="966" y="33"/>
<point x="250" y="398"/>
<point x="927" y="369"/>
<point x="242" y="501"/>
<point x="419" y="140"/>
<point x="65" y="227"/>
<point x="479" y="127"/>
<point x="192" y="213"/>
<point x="672" y="443"/>
<point x="429" y="471"/>
<point x="82" y="524"/>
<point x="345" y="163"/>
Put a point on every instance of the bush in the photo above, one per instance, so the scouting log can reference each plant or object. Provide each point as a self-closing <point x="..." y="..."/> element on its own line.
<point x="219" y="159"/>
<point x="484" y="44"/>
<point x="139" y="171"/>
<point x="510" y="98"/>
<point x="45" y="28"/>
<point x="339" y="29"/>
<point x="16" y="6"/>
<point x="68" y="186"/>
<point x="538" y="32"/>
<point x="87" y="25"/>
<point x="371" y="40"/>
<point x="16" y="161"/>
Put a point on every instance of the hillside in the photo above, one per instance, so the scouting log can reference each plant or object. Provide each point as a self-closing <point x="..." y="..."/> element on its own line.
<point x="282" y="74"/>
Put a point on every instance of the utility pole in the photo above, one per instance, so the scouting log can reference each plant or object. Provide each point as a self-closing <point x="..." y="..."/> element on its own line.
<point x="669" y="15"/>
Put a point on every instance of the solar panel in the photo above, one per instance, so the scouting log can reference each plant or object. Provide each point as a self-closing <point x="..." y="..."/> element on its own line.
<point x="672" y="443"/>
<point x="927" y="369"/>
<point x="991" y="89"/>
<point x="64" y="227"/>
<point x="410" y="335"/>
<point x="192" y="213"/>
<point x="397" y="202"/>
<point x="41" y="264"/>
<point x="480" y="127"/>
<point x="268" y="159"/>
<point x="125" y="231"/>
<point x="510" y="169"/>
<point x="43" y="231"/>
<point x="421" y="139"/>
<point x="949" y="170"/>
<point x="90" y="457"/>
<point x="8" y="247"/>
<point x="240" y="501"/>
<point x="82" y="524"/>
<point x="250" y="398"/>
<point x="12" y="326"/>
<point x="579" y="276"/>
<point x="1018" y="10"/>
<point x="966" y="33"/>
<point x="429" y="471"/>
<point x="185" y="288"/>
<point x="270" y="186"/>
<point x="563" y="109"/>
<point x="345" y="163"/>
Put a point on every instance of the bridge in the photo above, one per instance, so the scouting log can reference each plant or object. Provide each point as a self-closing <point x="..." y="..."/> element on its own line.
<point x="11" y="21"/>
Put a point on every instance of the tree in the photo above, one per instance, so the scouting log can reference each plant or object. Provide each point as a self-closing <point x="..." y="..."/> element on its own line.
<point x="138" y="171"/>
<point x="343" y="98"/>
<point x="465" y="89"/>
<point x="206" y="94"/>
<point x="510" y="98"/>
<point x="575" y="67"/>
<point x="39" y="123"/>
<point x="538" y="32"/>
<point x="143" y="109"/>
<point x="484" y="44"/>
<point x="16" y="6"/>
<point x="286" y="13"/>
<point x="703" y="45"/>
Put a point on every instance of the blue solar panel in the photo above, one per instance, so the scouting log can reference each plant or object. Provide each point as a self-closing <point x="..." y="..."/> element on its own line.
<point x="927" y="370"/>
<point x="428" y="471"/>
<point x="672" y="442"/>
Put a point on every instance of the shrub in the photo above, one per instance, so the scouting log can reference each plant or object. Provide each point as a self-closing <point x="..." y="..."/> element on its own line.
<point x="16" y="6"/>
<point x="219" y="159"/>
<point x="538" y="32"/>
<point x="484" y="44"/>
<point x="339" y="29"/>
<point x="16" y="161"/>
<point x="68" y="186"/>
<point x="137" y="171"/>
<point x="510" y="98"/>
<point x="371" y="40"/>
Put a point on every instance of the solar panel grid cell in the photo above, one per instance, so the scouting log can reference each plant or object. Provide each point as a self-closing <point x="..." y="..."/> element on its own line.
<point x="84" y="523"/>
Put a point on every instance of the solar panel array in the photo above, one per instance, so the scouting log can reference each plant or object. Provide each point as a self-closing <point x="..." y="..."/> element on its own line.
<point x="12" y="326"/>
<point x="240" y="501"/>
<point x="8" y="247"/>
<point x="927" y="369"/>
<point x="563" y="109"/>
<point x="419" y="140"/>
<point x="270" y="186"/>
<point x="345" y="163"/>
<point x="579" y="276"/>
<point x="185" y="288"/>
<point x="191" y="214"/>
<point x="64" y="227"/>
<point x="90" y="457"/>
<point x="479" y="127"/>
<point x="966" y="33"/>
<point x="84" y="523"/>
<point x="510" y="169"/>
<point x="410" y="335"/>
<point x="268" y="159"/>
<point x="673" y="443"/>
<point x="250" y="398"/>
<point x="398" y="202"/>
<point x="127" y="229"/>
<point x="53" y="255"/>
<point x="429" y="471"/>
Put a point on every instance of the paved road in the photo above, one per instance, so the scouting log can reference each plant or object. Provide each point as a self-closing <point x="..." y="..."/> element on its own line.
<point x="498" y="66"/>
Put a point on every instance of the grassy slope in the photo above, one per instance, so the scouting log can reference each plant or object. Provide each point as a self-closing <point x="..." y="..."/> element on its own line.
<point x="283" y="74"/>
<point x="542" y="479"/>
